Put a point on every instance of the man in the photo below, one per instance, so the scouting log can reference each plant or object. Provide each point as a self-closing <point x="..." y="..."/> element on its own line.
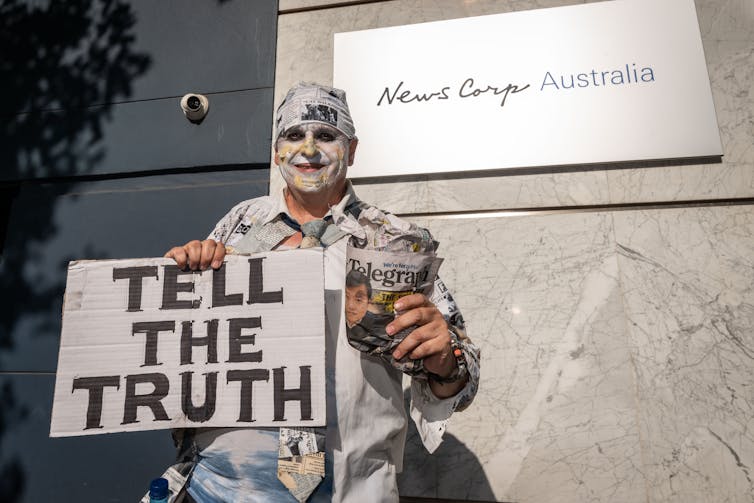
<point x="366" y="420"/>
<point x="358" y="293"/>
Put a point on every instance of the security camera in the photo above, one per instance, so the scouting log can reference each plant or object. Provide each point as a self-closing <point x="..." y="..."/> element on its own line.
<point x="195" y="107"/>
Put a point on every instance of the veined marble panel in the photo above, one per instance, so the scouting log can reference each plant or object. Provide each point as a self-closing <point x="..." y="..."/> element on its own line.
<point x="688" y="278"/>
<point x="304" y="52"/>
<point x="554" y="419"/>
<point x="529" y="191"/>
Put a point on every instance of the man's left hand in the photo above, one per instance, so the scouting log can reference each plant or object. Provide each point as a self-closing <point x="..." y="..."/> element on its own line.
<point x="430" y="341"/>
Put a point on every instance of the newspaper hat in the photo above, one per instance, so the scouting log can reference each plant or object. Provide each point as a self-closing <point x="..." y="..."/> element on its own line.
<point x="309" y="102"/>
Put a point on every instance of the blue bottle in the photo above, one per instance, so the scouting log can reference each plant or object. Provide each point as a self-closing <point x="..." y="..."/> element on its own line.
<point x="158" y="491"/>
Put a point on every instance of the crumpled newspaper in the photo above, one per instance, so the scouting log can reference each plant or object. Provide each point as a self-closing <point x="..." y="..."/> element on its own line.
<point x="384" y="246"/>
<point x="377" y="230"/>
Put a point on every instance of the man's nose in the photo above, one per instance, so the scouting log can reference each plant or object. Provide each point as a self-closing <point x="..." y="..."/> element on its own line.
<point x="308" y="148"/>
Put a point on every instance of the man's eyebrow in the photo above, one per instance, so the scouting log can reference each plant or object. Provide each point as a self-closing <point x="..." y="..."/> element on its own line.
<point x="328" y="129"/>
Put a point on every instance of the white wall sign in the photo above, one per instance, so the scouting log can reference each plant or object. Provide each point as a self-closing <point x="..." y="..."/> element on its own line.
<point x="601" y="82"/>
<point x="146" y="346"/>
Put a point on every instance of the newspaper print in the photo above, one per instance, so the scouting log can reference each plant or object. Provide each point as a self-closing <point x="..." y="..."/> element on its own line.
<point x="443" y="299"/>
<point x="375" y="280"/>
<point x="300" y="442"/>
<point x="301" y="460"/>
<point x="300" y="486"/>
<point x="315" y="104"/>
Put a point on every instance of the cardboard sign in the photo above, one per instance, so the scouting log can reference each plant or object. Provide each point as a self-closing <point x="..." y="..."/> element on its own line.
<point x="147" y="346"/>
<point x="602" y="82"/>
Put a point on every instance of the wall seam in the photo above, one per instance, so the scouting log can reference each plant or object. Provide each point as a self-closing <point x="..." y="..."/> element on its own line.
<point x="556" y="210"/>
<point x="332" y="5"/>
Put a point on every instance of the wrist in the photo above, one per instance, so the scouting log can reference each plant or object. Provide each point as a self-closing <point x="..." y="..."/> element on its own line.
<point x="457" y="369"/>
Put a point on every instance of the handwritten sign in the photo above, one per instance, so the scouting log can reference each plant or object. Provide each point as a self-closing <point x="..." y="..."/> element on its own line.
<point x="622" y="80"/>
<point x="148" y="346"/>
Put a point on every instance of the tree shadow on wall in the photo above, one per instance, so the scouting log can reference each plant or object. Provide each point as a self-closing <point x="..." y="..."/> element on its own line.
<point x="63" y="64"/>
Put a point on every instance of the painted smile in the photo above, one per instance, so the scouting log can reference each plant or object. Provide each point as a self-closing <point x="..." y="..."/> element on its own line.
<point x="309" y="167"/>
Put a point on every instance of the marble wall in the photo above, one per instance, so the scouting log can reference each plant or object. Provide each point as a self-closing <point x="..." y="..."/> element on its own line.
<point x="618" y="341"/>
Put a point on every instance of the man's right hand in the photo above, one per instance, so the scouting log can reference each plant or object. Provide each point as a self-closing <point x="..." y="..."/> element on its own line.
<point x="198" y="255"/>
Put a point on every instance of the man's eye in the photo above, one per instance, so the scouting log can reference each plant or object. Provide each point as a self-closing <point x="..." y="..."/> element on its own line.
<point x="294" y="136"/>
<point x="325" y="136"/>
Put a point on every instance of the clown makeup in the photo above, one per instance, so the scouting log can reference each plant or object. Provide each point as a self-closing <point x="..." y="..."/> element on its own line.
<point x="312" y="156"/>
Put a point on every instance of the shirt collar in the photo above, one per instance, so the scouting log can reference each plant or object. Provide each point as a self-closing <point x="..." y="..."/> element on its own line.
<point x="279" y="205"/>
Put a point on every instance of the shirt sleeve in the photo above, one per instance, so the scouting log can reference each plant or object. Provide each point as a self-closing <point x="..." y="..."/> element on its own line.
<point x="234" y="225"/>
<point x="228" y="223"/>
<point x="430" y="414"/>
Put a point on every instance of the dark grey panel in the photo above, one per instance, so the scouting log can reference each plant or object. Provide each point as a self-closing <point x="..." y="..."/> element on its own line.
<point x="88" y="52"/>
<point x="141" y="136"/>
<point x="115" y="467"/>
<point x="205" y="46"/>
<point x="53" y="224"/>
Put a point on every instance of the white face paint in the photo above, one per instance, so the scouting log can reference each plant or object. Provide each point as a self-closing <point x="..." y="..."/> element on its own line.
<point x="312" y="157"/>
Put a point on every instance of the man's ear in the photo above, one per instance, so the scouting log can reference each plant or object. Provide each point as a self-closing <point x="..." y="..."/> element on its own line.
<point x="352" y="150"/>
<point x="275" y="154"/>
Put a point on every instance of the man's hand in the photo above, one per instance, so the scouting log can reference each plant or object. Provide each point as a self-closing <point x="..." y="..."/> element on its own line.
<point x="429" y="341"/>
<point x="198" y="255"/>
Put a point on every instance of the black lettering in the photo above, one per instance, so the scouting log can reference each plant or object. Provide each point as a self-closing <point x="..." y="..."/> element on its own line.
<point x="426" y="97"/>
<point x="247" y="378"/>
<point x="188" y="341"/>
<point x="151" y="328"/>
<point x="236" y="340"/>
<point x="151" y="400"/>
<point x="95" y="386"/>
<point x="510" y="88"/>
<point x="219" y="297"/>
<point x="399" y="276"/>
<point x="386" y="94"/>
<point x="256" y="285"/>
<point x="204" y="412"/>
<point x="171" y="287"/>
<point x="134" y="276"/>
<point x="466" y="83"/>
<point x="302" y="394"/>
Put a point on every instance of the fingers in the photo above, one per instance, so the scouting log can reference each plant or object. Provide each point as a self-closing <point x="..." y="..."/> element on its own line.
<point x="178" y="254"/>
<point x="219" y="255"/>
<point x="430" y="336"/>
<point x="430" y="341"/>
<point x="412" y="310"/>
<point x="212" y="253"/>
<point x="412" y="301"/>
<point x="424" y="341"/>
<point x="198" y="255"/>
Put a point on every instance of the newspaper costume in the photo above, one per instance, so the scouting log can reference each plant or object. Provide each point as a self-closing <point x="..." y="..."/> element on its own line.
<point x="366" y="418"/>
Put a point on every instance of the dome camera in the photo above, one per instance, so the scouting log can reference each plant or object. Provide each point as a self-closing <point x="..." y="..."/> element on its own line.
<point x="194" y="106"/>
